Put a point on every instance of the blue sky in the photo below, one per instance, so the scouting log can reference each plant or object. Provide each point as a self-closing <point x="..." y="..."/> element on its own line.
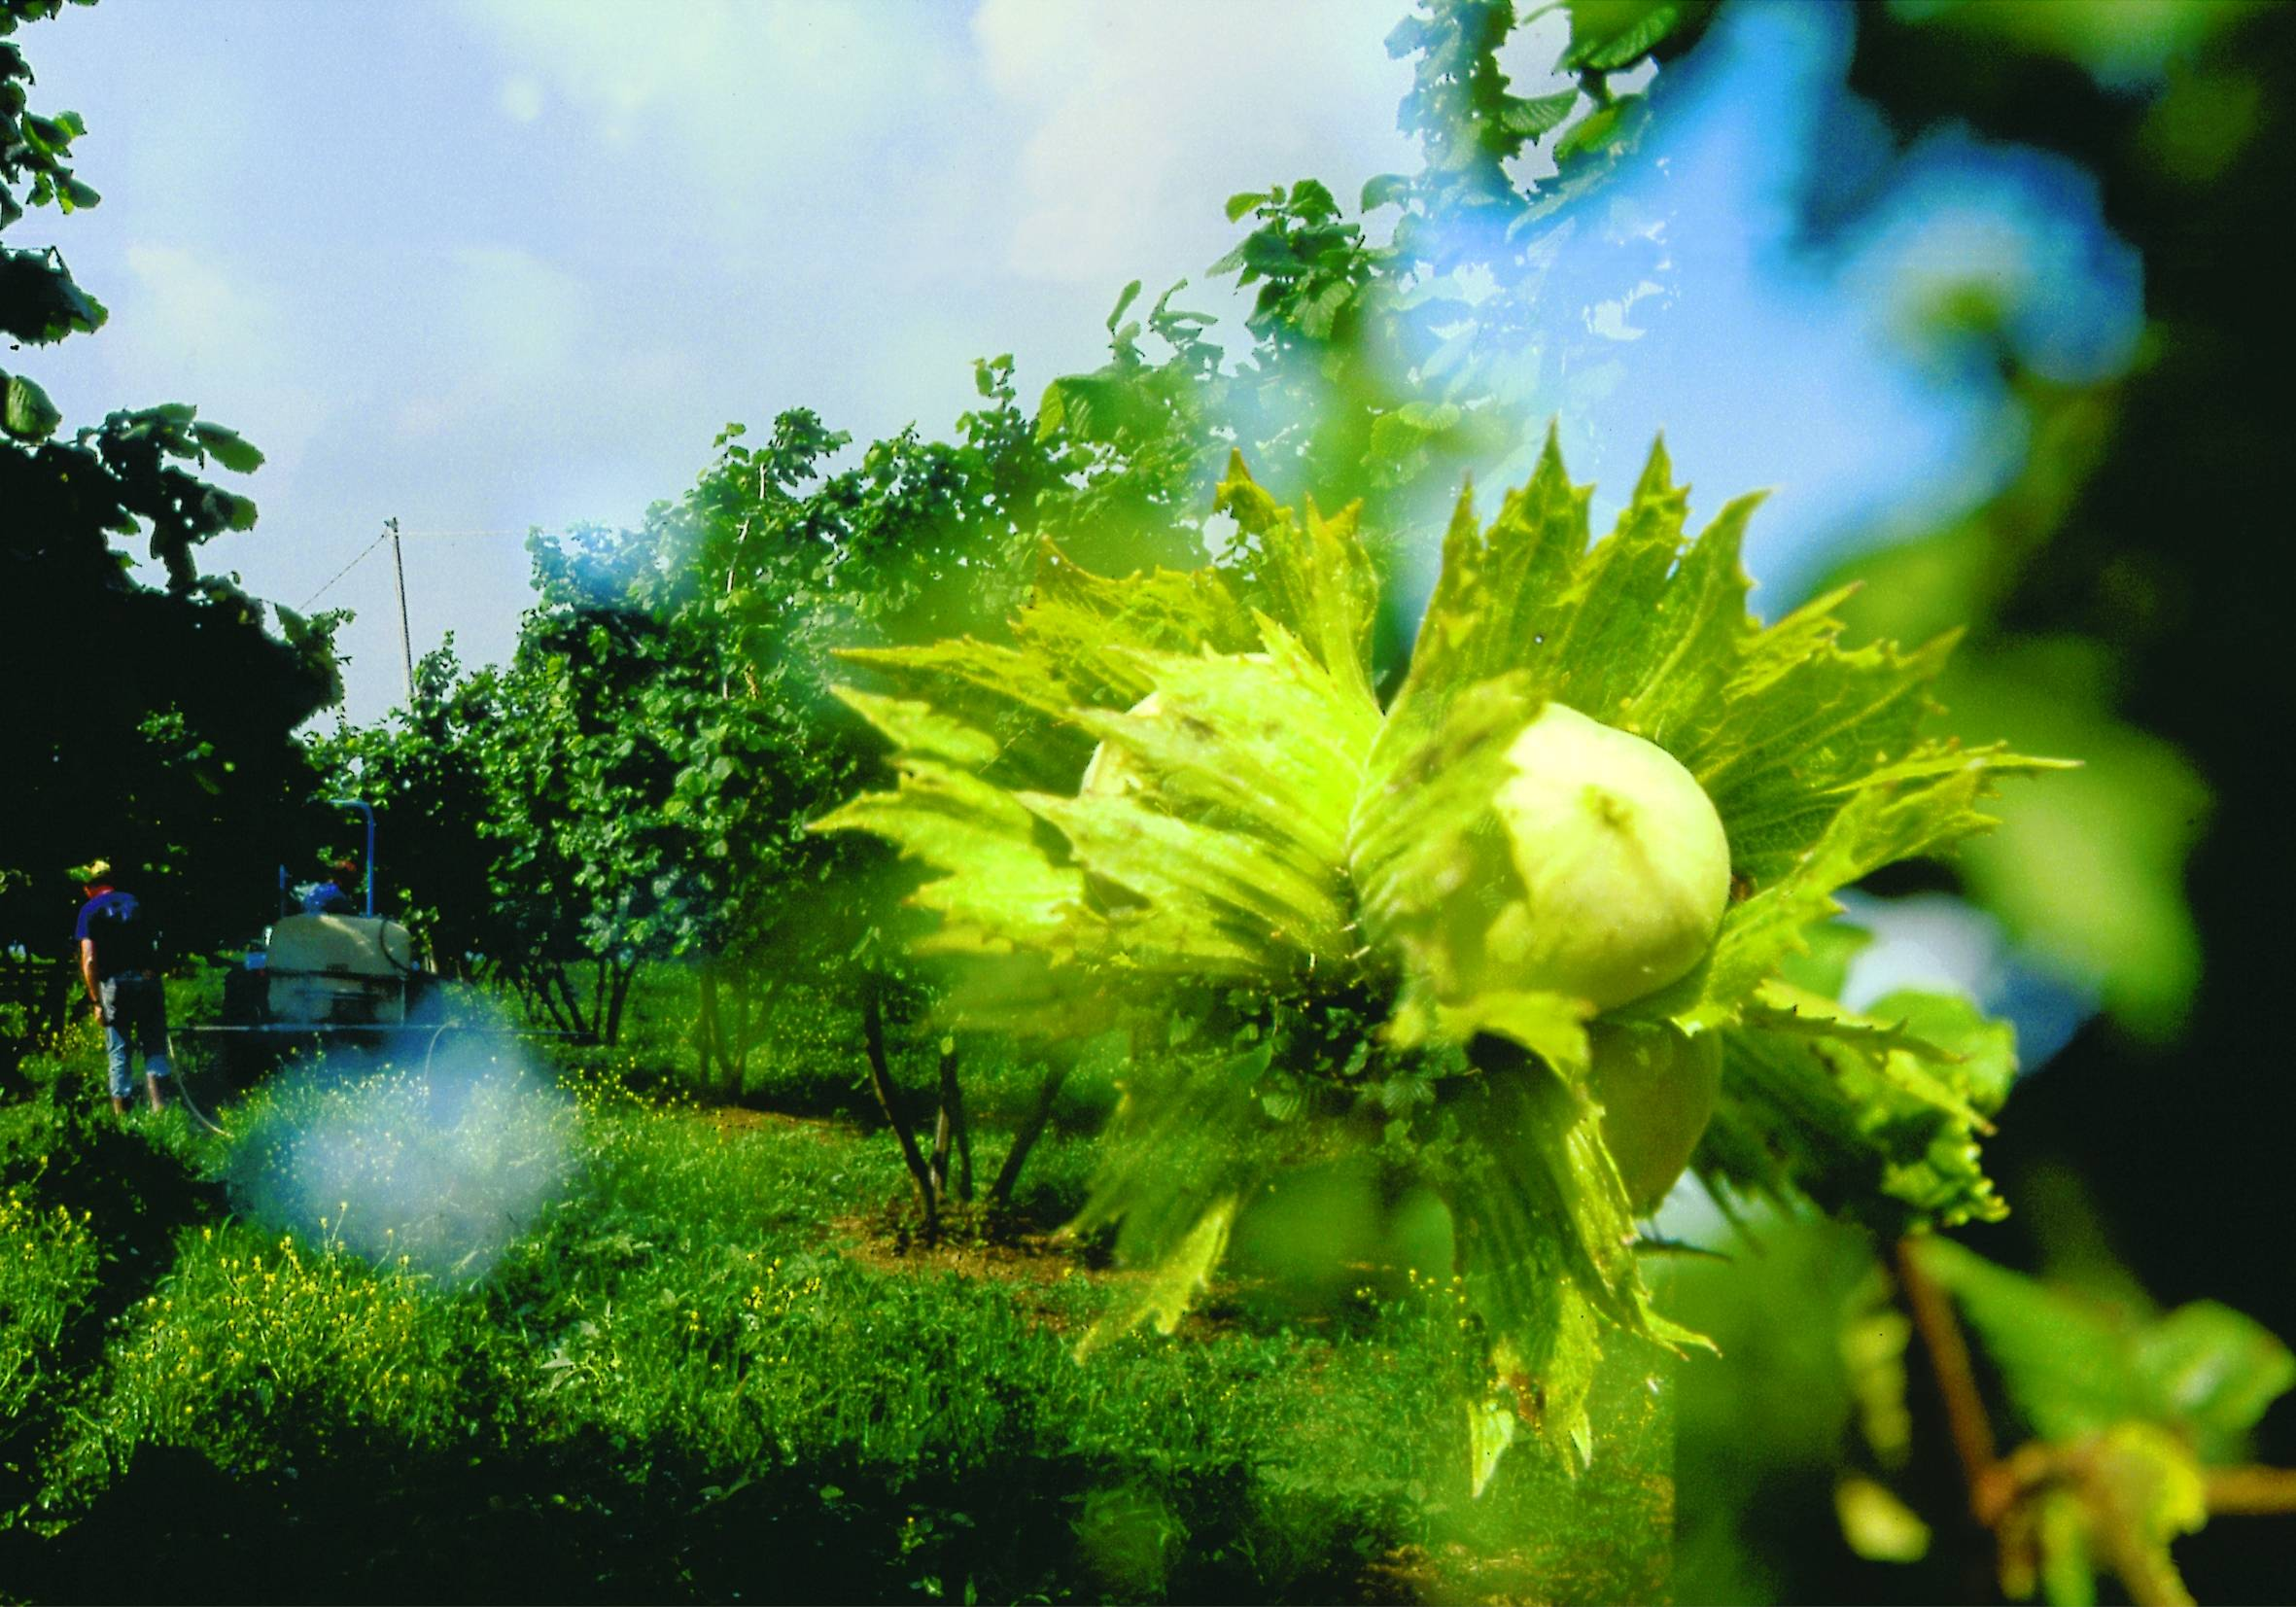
<point x="500" y="264"/>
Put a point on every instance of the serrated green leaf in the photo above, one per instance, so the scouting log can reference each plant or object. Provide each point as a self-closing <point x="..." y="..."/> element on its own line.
<point x="1431" y="867"/>
<point x="1875" y="827"/>
<point x="1173" y="1285"/>
<point x="1011" y="893"/>
<point x="1871" y="1132"/>
<point x="1190" y="1133"/>
<point x="920" y="728"/>
<point x="1886" y="1039"/>
<point x="1824" y="964"/>
<point x="1538" y="114"/>
<point x="1210" y="903"/>
<point x="1267" y="742"/>
<point x="1315" y="576"/>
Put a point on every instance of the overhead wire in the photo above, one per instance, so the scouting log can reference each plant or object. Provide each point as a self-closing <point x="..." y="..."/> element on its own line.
<point x="340" y="572"/>
<point x="378" y="542"/>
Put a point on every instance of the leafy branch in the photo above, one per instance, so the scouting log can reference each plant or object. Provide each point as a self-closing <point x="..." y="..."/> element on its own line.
<point x="2128" y="1422"/>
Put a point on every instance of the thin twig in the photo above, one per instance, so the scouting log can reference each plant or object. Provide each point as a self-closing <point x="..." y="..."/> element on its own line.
<point x="1957" y="1383"/>
<point x="2251" y="1491"/>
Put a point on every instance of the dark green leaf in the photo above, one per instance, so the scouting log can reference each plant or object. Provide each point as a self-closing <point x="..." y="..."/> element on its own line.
<point x="1607" y="35"/>
<point x="28" y="414"/>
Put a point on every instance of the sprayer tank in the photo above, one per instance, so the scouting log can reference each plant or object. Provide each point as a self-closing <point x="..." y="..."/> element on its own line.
<point x="339" y="968"/>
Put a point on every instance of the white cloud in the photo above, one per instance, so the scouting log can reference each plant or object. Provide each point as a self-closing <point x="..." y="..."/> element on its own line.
<point x="1141" y="118"/>
<point x="188" y="311"/>
<point x="517" y="328"/>
<point x="521" y="97"/>
<point x="188" y="324"/>
<point x="522" y="318"/>
<point x="740" y="90"/>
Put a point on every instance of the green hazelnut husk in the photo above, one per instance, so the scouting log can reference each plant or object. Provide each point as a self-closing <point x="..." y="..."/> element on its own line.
<point x="1624" y="867"/>
<point x="1656" y="1087"/>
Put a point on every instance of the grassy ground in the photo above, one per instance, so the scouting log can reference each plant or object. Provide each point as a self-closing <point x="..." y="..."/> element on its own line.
<point x="477" y="1335"/>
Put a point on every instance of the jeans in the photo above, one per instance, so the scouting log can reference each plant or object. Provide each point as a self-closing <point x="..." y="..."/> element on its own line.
<point x="135" y="1017"/>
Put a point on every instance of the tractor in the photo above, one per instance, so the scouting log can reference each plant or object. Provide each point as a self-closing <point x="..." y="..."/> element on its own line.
<point x="327" y="977"/>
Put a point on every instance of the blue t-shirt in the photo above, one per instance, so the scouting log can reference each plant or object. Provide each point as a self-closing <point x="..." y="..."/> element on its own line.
<point x="123" y="939"/>
<point x="329" y="899"/>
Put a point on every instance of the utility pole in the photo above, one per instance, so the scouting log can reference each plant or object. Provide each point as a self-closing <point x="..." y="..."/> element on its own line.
<point x="406" y="637"/>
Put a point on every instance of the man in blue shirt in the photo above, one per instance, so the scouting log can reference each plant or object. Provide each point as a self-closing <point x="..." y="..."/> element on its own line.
<point x="330" y="894"/>
<point x="119" y="962"/>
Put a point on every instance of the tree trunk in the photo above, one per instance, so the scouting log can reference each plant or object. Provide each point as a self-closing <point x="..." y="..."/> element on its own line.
<point x="533" y="997"/>
<point x="881" y="1081"/>
<point x="578" y="1018"/>
<point x="566" y="1009"/>
<point x="953" y="1113"/>
<point x="951" y="1131"/>
<point x="1056" y="1072"/>
<point x="707" y="1038"/>
<point x="733" y="1044"/>
<point x="617" y="995"/>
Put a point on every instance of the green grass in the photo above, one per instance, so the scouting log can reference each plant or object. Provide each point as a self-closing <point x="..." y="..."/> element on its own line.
<point x="701" y="1367"/>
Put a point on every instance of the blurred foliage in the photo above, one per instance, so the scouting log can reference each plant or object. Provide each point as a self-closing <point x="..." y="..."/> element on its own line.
<point x="2110" y="588"/>
<point x="2119" y="1414"/>
<point x="2073" y="1366"/>
<point x="2120" y="1427"/>
<point x="2121" y="45"/>
<point x="2114" y="596"/>
<point x="2088" y="873"/>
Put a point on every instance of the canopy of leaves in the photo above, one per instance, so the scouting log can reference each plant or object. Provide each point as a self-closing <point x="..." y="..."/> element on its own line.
<point x="150" y="727"/>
